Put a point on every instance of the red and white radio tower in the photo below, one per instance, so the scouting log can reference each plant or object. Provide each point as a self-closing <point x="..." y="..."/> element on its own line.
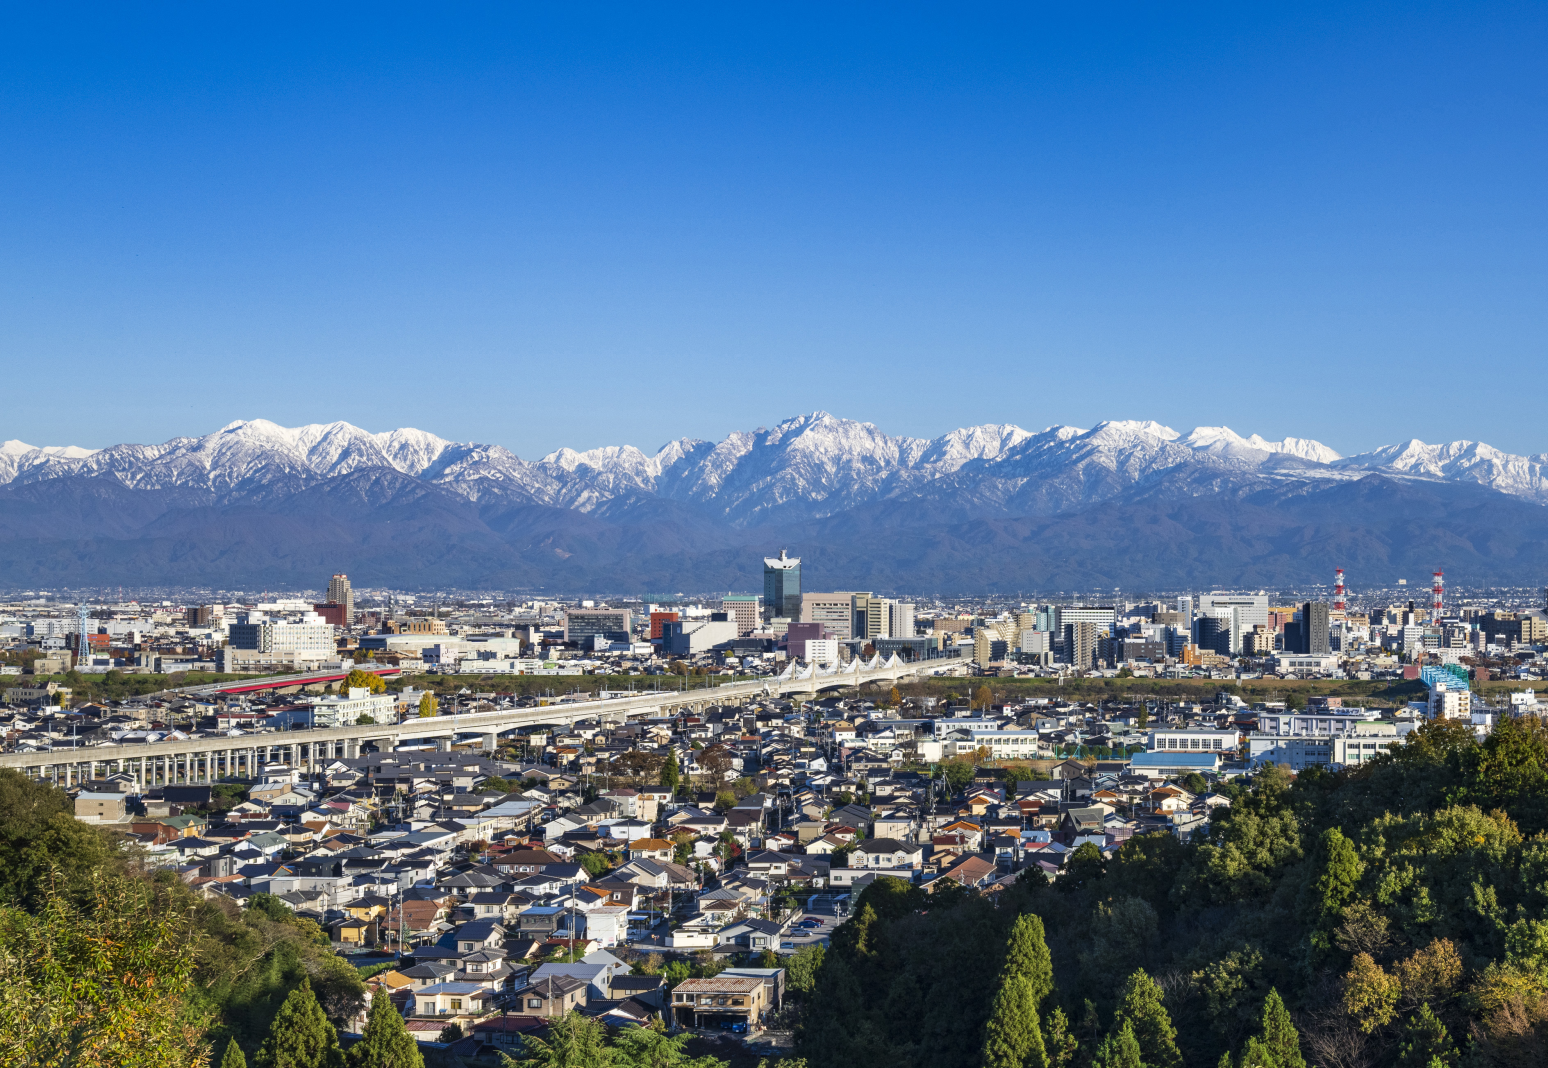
<point x="1438" y="592"/>
<point x="1338" y="589"/>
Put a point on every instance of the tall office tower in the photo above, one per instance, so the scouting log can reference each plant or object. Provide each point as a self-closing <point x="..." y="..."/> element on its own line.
<point x="835" y="611"/>
<point x="1102" y="617"/>
<point x="782" y="586"/>
<point x="900" y="619"/>
<point x="1314" y="629"/>
<point x="340" y="593"/>
<point x="743" y="611"/>
<point x="1215" y="630"/>
<point x="870" y="617"/>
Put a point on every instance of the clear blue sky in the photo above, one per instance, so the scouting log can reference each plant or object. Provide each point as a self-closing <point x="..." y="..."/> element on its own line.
<point x="576" y="225"/>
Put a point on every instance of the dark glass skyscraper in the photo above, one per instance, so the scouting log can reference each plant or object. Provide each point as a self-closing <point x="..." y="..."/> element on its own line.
<point x="782" y="586"/>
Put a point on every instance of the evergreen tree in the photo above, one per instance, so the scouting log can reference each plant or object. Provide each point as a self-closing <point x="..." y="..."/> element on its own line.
<point x="1120" y="1049"/>
<point x="1027" y="955"/>
<point x="301" y="1036"/>
<point x="1341" y="871"/>
<point x="385" y="1042"/>
<point x="1426" y="1043"/>
<point x="1012" y="1037"/>
<point x="1280" y="1045"/>
<point x="1279" y="1034"/>
<point x="1140" y="1006"/>
<point x="1059" y="1045"/>
<point x="671" y="773"/>
<point x="233" y="1057"/>
<point x="575" y="1041"/>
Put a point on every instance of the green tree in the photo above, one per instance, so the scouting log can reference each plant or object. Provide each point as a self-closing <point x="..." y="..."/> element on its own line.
<point x="1194" y="783"/>
<point x="428" y="706"/>
<point x="233" y="1057"/>
<point x="1140" y="1005"/>
<point x="1426" y="1043"/>
<point x="385" y="1042"/>
<point x="1279" y="1046"/>
<point x="649" y="1047"/>
<point x="495" y="782"/>
<point x="671" y="772"/>
<point x="1059" y="1044"/>
<point x="1082" y="868"/>
<point x="452" y="1032"/>
<point x="958" y="774"/>
<point x="801" y="969"/>
<point x="596" y="864"/>
<point x="1119" y="1049"/>
<point x="1012" y="1037"/>
<point x="1027" y="955"/>
<point x="365" y="680"/>
<point x="108" y="982"/>
<point x="43" y="847"/>
<point x="301" y="1036"/>
<point x="574" y="1041"/>
<point x="1335" y="884"/>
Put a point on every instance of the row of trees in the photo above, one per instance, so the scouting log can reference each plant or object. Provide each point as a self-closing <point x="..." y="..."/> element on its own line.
<point x="1392" y="915"/>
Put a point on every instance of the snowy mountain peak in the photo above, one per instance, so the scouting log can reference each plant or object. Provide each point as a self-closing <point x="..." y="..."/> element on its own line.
<point x="808" y="466"/>
<point x="1224" y="439"/>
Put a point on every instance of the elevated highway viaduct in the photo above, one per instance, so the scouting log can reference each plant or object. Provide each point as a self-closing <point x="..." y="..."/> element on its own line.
<point x="216" y="757"/>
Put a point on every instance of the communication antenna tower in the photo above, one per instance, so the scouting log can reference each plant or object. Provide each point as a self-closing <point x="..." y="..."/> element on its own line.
<point x="84" y="649"/>
<point x="1338" y="590"/>
<point x="1437" y="596"/>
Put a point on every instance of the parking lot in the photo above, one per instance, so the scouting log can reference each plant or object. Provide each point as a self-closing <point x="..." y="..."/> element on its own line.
<point x="801" y="934"/>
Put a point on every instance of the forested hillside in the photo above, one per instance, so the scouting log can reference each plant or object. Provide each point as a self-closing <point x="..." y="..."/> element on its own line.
<point x="1391" y="915"/>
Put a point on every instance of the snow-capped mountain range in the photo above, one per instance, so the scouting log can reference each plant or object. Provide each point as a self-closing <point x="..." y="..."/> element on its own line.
<point x="808" y="467"/>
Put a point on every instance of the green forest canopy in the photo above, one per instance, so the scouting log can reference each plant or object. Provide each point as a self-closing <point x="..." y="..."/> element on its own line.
<point x="1391" y="915"/>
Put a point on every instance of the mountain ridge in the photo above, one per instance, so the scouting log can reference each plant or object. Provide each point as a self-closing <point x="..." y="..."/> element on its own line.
<point x="1125" y="502"/>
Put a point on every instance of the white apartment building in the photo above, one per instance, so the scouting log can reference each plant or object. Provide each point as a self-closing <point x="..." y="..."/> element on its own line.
<point x="345" y="710"/>
<point x="1295" y="753"/>
<point x="822" y="650"/>
<point x="1002" y="744"/>
<point x="1364" y="747"/>
<point x="1196" y="739"/>
<point x="1331" y="722"/>
<point x="303" y="636"/>
<point x="1314" y="663"/>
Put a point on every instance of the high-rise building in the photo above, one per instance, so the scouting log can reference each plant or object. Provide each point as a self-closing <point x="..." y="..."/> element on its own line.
<point x="339" y="592"/>
<point x="882" y="617"/>
<point x="743" y="611"/>
<point x="1251" y="608"/>
<point x="782" y="586"/>
<point x="1311" y="631"/>
<point x="657" y="619"/>
<point x="835" y="611"/>
<point x="1219" y="631"/>
<point x="1102" y="617"/>
<point x="1080" y="643"/>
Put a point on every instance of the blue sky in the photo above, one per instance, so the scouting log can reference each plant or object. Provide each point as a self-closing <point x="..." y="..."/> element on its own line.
<point x="587" y="225"/>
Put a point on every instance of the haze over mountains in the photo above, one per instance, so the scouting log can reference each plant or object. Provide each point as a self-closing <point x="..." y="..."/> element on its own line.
<point x="995" y="507"/>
